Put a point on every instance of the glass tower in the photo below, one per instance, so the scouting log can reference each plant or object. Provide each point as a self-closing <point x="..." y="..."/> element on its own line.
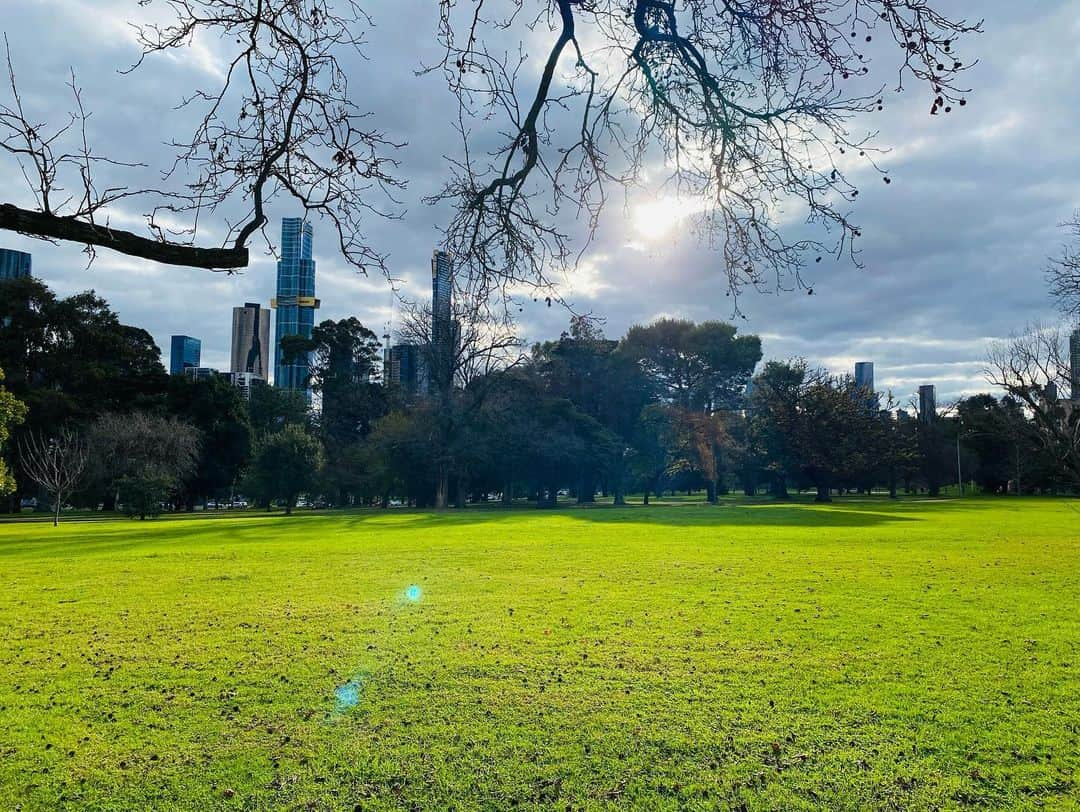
<point x="295" y="302"/>
<point x="864" y="379"/>
<point x="1074" y="365"/>
<point x="185" y="352"/>
<point x="442" y="326"/>
<point x="928" y="403"/>
<point x="14" y="264"/>
<point x="441" y="268"/>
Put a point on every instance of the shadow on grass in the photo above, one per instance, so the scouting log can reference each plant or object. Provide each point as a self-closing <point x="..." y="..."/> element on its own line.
<point x="166" y="537"/>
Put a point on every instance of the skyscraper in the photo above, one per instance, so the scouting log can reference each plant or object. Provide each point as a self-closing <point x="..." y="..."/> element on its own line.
<point x="864" y="379"/>
<point x="1074" y="365"/>
<point x="251" y="340"/>
<point x="295" y="301"/>
<point x="441" y="271"/>
<point x="404" y="368"/>
<point x="185" y="352"/>
<point x="443" y="334"/>
<point x="864" y="374"/>
<point x="928" y="403"/>
<point x="14" y="264"/>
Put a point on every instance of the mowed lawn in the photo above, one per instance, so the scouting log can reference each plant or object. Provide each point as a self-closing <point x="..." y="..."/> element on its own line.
<point x="865" y="655"/>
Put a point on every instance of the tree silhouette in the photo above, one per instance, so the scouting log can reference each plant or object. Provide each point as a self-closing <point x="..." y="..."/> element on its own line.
<point x="55" y="463"/>
<point x="280" y="123"/>
<point x="748" y="103"/>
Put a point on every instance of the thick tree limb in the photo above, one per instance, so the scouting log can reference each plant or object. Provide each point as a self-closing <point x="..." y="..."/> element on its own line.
<point x="70" y="229"/>
<point x="279" y="124"/>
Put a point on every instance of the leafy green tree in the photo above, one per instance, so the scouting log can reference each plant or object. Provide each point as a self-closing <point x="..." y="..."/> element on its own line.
<point x="704" y="366"/>
<point x="216" y="409"/>
<point x="271" y="409"/>
<point x="831" y="431"/>
<point x="12" y="412"/>
<point x="893" y="447"/>
<point x="602" y="382"/>
<point x="398" y="456"/>
<point x="285" y="465"/>
<point x="343" y="365"/>
<point x="70" y="360"/>
<point x="563" y="438"/>
<point x="651" y="451"/>
<point x="698" y="444"/>
<point x="144" y="495"/>
<point x="773" y="411"/>
<point x="148" y="453"/>
<point x="985" y="436"/>
<point x="936" y="459"/>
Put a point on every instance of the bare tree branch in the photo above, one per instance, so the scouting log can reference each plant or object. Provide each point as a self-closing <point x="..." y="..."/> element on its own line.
<point x="1064" y="271"/>
<point x="55" y="463"/>
<point x="280" y="124"/>
<point x="1034" y="368"/>
<point x="742" y="101"/>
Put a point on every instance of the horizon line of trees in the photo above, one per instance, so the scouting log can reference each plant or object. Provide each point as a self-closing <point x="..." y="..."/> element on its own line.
<point x="663" y="408"/>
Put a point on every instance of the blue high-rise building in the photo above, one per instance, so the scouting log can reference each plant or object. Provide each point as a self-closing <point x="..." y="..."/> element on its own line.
<point x="864" y="379"/>
<point x="295" y="302"/>
<point x="14" y="264"/>
<point x="928" y="403"/>
<point x="185" y="352"/>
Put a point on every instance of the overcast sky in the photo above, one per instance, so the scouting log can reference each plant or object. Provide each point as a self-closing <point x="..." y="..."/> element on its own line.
<point x="953" y="250"/>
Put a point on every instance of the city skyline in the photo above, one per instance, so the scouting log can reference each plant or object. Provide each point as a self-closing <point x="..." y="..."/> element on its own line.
<point x="942" y="274"/>
<point x="402" y="363"/>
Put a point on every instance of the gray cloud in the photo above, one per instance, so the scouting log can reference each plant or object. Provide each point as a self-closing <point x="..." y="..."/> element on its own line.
<point x="953" y="250"/>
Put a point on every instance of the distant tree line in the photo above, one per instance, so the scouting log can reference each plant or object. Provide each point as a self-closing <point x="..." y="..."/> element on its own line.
<point x="666" y="408"/>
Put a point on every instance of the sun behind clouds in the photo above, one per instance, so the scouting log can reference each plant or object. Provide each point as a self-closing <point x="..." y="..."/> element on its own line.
<point x="656" y="219"/>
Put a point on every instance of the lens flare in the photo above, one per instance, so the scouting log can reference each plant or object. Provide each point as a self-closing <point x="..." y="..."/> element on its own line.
<point x="413" y="593"/>
<point x="348" y="695"/>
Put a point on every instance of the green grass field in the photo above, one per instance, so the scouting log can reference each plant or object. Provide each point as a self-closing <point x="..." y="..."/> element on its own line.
<point x="865" y="655"/>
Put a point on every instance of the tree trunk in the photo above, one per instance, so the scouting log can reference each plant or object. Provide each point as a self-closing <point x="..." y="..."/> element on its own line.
<point x="823" y="493"/>
<point x="508" y="494"/>
<point x="586" y="490"/>
<point x="459" y="501"/>
<point x="620" y="497"/>
<point x="780" y="490"/>
<point x="710" y="491"/>
<point x="645" y="501"/>
<point x="442" y="489"/>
